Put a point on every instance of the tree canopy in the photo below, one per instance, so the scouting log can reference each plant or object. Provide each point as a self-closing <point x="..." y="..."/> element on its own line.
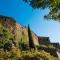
<point x="52" y="5"/>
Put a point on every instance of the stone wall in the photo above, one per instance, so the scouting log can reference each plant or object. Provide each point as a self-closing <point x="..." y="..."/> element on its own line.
<point x="43" y="40"/>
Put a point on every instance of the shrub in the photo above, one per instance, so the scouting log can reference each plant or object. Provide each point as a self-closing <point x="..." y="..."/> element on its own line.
<point x="16" y="54"/>
<point x="5" y="35"/>
<point x="8" y="46"/>
<point x="36" y="55"/>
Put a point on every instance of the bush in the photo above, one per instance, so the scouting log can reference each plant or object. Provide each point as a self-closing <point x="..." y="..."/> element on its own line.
<point x="8" y="46"/>
<point x="23" y="46"/>
<point x="5" y="35"/>
<point x="37" y="55"/>
<point x="16" y="54"/>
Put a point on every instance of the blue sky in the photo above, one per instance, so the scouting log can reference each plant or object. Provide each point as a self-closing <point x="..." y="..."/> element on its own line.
<point x="25" y="14"/>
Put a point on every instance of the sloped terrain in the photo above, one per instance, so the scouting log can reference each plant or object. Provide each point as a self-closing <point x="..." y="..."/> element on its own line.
<point x="20" y="33"/>
<point x="14" y="42"/>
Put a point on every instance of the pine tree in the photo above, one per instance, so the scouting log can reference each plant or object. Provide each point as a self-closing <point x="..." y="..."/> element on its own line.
<point x="31" y="43"/>
<point x="52" y="5"/>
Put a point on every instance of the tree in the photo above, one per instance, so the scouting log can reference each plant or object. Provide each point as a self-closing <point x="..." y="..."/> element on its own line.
<point x="31" y="43"/>
<point x="5" y="35"/>
<point x="52" y="5"/>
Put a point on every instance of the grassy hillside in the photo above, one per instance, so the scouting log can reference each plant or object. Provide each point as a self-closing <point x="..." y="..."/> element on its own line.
<point x="14" y="42"/>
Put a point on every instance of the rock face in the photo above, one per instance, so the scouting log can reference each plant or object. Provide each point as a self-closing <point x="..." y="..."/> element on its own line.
<point x="20" y="32"/>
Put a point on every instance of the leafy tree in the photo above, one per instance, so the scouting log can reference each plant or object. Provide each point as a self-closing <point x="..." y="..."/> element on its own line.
<point x="5" y="36"/>
<point x="52" y="5"/>
<point x="31" y="43"/>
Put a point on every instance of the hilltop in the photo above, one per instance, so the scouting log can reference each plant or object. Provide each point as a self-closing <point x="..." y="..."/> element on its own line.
<point x="19" y="31"/>
<point x="15" y="38"/>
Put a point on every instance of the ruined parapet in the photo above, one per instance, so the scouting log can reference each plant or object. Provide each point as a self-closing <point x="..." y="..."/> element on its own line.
<point x="43" y="40"/>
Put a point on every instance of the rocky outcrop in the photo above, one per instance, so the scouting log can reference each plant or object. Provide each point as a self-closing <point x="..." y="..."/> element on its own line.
<point x="20" y="32"/>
